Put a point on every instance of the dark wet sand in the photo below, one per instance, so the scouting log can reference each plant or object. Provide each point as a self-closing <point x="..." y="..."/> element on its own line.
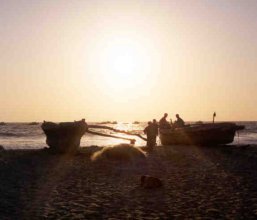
<point x="199" y="182"/>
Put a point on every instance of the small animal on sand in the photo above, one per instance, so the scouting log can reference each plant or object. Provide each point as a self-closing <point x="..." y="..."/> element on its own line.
<point x="150" y="182"/>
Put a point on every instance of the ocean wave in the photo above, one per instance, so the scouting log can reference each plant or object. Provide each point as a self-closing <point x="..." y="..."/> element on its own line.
<point x="20" y="134"/>
<point x="9" y="134"/>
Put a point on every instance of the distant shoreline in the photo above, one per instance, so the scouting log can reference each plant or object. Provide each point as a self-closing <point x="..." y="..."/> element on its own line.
<point x="90" y="122"/>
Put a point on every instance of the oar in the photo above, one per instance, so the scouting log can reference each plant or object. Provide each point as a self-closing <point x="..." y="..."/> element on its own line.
<point x="132" y="141"/>
<point x="116" y="130"/>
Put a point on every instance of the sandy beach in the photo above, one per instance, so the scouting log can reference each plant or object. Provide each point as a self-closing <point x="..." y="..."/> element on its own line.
<point x="199" y="182"/>
<point x="89" y="88"/>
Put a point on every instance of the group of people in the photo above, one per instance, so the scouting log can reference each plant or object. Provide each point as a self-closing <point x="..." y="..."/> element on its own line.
<point x="152" y="129"/>
<point x="164" y="124"/>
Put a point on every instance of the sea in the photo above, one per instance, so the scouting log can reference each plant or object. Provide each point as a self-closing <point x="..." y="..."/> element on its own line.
<point x="31" y="136"/>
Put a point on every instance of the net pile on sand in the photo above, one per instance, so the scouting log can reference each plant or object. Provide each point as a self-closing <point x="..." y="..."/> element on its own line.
<point x="121" y="152"/>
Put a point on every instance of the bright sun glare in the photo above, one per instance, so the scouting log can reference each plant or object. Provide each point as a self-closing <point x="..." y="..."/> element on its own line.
<point x="123" y="60"/>
<point x="124" y="64"/>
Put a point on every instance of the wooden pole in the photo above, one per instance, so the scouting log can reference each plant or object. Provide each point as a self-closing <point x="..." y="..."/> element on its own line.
<point x="213" y="117"/>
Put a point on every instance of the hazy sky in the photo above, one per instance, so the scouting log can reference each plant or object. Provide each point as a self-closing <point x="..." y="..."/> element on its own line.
<point x="128" y="60"/>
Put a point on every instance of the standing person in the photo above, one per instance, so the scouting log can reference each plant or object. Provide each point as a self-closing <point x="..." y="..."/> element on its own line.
<point x="179" y="122"/>
<point x="156" y="129"/>
<point x="163" y="123"/>
<point x="151" y="136"/>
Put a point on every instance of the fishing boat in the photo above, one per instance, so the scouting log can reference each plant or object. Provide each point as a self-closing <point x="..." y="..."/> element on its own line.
<point x="200" y="134"/>
<point x="65" y="136"/>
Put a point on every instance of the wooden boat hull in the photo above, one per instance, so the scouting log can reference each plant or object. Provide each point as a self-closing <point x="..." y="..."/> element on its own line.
<point x="64" y="137"/>
<point x="204" y="134"/>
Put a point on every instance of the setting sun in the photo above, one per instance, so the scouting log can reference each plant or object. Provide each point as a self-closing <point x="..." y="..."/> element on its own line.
<point x="124" y="62"/>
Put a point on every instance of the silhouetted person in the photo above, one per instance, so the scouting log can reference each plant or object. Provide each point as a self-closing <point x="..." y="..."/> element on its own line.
<point x="151" y="135"/>
<point x="179" y="122"/>
<point x="156" y="128"/>
<point x="163" y="123"/>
